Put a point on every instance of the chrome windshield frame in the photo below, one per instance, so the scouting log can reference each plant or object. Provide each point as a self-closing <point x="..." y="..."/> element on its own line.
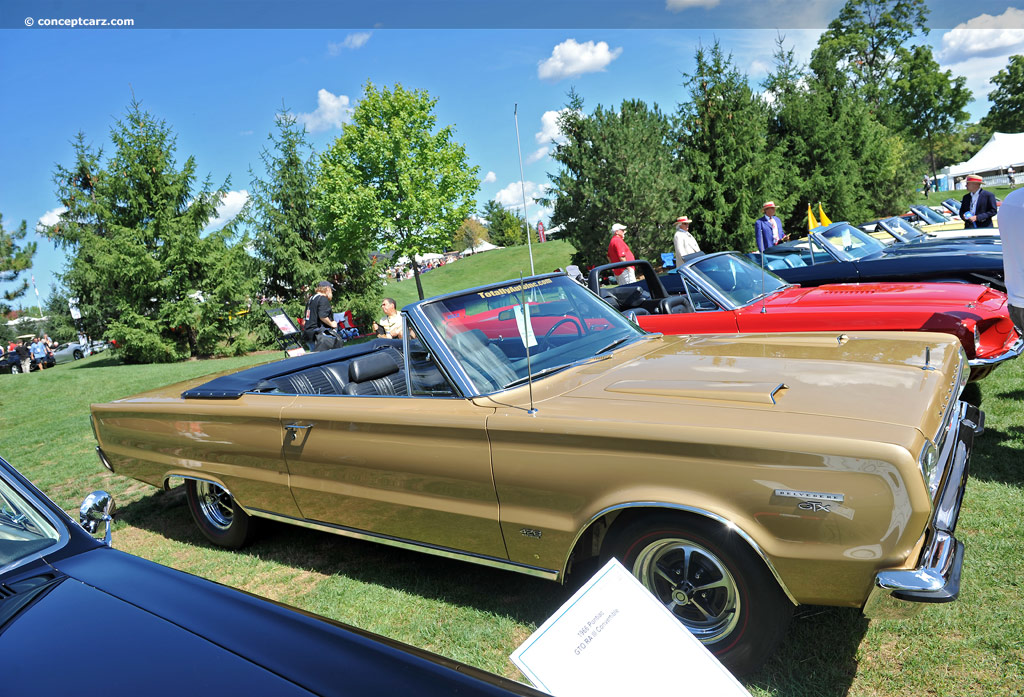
<point x="688" y="272"/>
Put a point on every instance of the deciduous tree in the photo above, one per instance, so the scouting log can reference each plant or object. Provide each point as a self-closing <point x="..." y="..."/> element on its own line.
<point x="393" y="180"/>
<point x="1007" y="112"/>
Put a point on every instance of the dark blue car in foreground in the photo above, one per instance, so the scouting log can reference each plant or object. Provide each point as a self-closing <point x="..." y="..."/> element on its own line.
<point x="841" y="253"/>
<point x="77" y="617"/>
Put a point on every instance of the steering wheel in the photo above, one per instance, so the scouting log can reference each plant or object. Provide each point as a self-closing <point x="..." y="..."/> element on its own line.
<point x="559" y="323"/>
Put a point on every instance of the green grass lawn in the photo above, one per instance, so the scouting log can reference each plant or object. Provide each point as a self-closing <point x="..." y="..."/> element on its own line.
<point x="479" y="615"/>
<point x="480" y="269"/>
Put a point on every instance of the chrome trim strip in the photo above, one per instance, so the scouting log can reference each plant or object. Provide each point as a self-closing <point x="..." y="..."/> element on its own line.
<point x="63" y="536"/>
<point x="1012" y="352"/>
<point x="436" y="344"/>
<point x="688" y="509"/>
<point x="436" y="550"/>
<point x="104" y="460"/>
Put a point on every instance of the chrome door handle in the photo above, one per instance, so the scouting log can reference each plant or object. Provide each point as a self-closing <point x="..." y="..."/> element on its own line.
<point x="293" y="429"/>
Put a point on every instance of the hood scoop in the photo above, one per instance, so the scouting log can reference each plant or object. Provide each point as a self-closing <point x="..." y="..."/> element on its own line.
<point x="731" y="391"/>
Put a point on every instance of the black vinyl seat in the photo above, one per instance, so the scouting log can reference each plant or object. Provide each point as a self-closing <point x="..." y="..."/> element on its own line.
<point x="378" y="373"/>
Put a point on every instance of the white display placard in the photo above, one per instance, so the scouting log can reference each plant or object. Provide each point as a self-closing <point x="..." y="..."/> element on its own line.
<point x="524" y="325"/>
<point x="613" y="637"/>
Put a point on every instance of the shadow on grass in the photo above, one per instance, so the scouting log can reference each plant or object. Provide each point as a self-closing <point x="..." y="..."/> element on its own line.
<point x="817" y="656"/>
<point x="107" y="360"/>
<point x="997" y="456"/>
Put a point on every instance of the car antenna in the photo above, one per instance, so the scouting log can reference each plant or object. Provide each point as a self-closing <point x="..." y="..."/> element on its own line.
<point x="522" y="184"/>
<point x="526" y="341"/>
<point x="764" y="310"/>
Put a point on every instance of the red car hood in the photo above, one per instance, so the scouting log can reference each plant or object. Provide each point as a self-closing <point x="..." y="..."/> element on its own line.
<point x="914" y="295"/>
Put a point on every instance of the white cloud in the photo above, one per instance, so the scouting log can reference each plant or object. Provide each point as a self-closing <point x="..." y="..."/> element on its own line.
<point x="549" y="131"/>
<point x="230" y="205"/>
<point x="490" y="178"/>
<point x="680" y="5"/>
<point x="245" y="133"/>
<point x="331" y="111"/>
<point x="571" y="59"/>
<point x="537" y="155"/>
<point x="984" y="36"/>
<point x="352" y="42"/>
<point x="512" y="197"/>
<point x="50" y="218"/>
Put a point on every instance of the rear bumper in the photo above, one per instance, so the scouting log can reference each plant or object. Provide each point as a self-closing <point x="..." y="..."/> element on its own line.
<point x="899" y="593"/>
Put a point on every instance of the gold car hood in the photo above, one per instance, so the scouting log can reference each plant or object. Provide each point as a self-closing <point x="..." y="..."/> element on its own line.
<point x="872" y="376"/>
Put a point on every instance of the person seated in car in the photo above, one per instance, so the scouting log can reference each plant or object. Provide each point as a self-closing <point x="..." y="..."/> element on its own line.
<point x="390" y="326"/>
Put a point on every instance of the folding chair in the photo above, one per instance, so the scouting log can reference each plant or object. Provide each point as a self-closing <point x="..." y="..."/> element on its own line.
<point x="668" y="260"/>
<point x="290" y="340"/>
<point x="346" y="325"/>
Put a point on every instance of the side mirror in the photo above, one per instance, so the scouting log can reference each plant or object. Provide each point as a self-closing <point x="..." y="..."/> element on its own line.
<point x="96" y="508"/>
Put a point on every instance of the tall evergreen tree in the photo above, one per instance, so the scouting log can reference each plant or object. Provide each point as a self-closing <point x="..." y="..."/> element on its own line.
<point x="724" y="153"/>
<point x="287" y="237"/>
<point x="15" y="258"/>
<point x="616" y="166"/>
<point x="140" y="266"/>
<point x="1007" y="112"/>
<point x="504" y="228"/>
<point x="393" y="181"/>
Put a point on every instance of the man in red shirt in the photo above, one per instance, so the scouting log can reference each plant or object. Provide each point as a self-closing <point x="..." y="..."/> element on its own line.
<point x="618" y="250"/>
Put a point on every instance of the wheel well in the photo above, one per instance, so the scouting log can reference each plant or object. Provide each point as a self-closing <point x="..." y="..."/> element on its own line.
<point x="608" y="524"/>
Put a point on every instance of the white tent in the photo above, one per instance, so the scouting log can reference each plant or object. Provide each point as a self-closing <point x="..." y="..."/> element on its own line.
<point x="1001" y="151"/>
<point x="483" y="246"/>
<point x="420" y="258"/>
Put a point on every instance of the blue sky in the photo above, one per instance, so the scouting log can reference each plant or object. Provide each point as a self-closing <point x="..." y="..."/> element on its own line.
<point x="217" y="72"/>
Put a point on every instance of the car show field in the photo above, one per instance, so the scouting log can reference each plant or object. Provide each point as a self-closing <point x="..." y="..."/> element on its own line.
<point x="479" y="615"/>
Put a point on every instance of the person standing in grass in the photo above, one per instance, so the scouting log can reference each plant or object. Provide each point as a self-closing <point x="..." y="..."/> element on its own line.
<point x="1011" y="231"/>
<point x="768" y="228"/>
<point x="618" y="250"/>
<point x="978" y="207"/>
<point x="683" y="242"/>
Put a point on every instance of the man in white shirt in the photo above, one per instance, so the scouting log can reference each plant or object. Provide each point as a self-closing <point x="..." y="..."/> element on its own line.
<point x="1011" y="231"/>
<point x="683" y="241"/>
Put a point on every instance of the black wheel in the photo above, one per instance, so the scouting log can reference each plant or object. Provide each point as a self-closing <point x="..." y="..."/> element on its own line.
<point x="559" y="323"/>
<point x="219" y="517"/>
<point x="77" y="355"/>
<point x="15" y="368"/>
<point x="711" y="581"/>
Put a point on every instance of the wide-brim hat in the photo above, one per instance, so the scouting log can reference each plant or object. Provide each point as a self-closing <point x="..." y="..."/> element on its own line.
<point x="683" y="219"/>
<point x="769" y="204"/>
<point x="975" y="178"/>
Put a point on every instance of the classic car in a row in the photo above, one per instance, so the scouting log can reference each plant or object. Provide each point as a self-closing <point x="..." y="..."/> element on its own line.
<point x="529" y="426"/>
<point x="896" y="229"/>
<point x="725" y="293"/>
<point x="841" y="253"/>
<point x="77" y="617"/>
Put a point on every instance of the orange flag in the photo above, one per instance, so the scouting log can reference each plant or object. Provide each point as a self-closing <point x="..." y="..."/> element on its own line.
<point x="821" y="215"/>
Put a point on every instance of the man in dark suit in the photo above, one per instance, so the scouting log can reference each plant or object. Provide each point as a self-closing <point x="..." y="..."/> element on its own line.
<point x="978" y="207"/>
<point x="768" y="228"/>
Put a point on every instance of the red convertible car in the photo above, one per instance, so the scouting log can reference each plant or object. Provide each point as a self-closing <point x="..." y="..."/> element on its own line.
<point x="727" y="293"/>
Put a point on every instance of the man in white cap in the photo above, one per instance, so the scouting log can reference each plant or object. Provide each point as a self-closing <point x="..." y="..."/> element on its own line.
<point x="1011" y="229"/>
<point x="618" y="250"/>
<point x="683" y="240"/>
<point x="978" y="207"/>
<point x="768" y="228"/>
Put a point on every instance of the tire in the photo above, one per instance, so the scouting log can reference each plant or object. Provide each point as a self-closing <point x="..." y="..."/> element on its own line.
<point x="219" y="517"/>
<point x="77" y="355"/>
<point x="15" y="369"/>
<point x="711" y="581"/>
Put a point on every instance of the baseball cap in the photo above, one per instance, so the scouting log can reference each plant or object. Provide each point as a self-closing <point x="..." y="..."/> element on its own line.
<point x="325" y="284"/>
<point x="618" y="226"/>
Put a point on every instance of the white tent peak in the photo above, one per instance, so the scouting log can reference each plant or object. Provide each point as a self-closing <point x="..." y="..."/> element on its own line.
<point x="1001" y="151"/>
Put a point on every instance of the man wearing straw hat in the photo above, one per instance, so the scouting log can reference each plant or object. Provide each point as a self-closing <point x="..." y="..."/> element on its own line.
<point x="978" y="207"/>
<point x="768" y="228"/>
<point x="683" y="241"/>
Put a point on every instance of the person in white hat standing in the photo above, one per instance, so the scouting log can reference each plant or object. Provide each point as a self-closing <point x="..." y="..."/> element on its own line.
<point x="618" y="250"/>
<point x="978" y="207"/>
<point x="683" y="241"/>
<point x="768" y="228"/>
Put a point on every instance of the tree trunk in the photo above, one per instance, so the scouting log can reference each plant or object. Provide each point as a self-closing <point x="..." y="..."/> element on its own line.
<point x="416" y="273"/>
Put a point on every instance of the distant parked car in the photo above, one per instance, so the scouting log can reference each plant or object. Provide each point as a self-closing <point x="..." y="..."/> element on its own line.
<point x="71" y="352"/>
<point x="161" y="630"/>
<point x="10" y="363"/>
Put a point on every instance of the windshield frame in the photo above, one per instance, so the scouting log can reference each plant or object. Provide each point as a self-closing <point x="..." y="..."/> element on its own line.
<point x="689" y="271"/>
<point x="841" y="254"/>
<point x="31" y="498"/>
<point x="422" y="315"/>
<point x="902" y="230"/>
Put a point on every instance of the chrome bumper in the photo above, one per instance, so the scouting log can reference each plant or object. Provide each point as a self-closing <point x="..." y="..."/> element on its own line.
<point x="899" y="593"/>
<point x="1015" y="350"/>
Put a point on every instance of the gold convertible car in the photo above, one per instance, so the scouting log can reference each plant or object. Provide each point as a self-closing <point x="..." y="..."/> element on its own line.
<point x="529" y="426"/>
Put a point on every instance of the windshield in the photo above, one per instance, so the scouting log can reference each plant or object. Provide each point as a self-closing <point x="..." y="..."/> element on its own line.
<point x="488" y="332"/>
<point x="850" y="241"/>
<point x="928" y="214"/>
<point x="905" y="229"/>
<point x="736" y="278"/>
<point x="24" y="531"/>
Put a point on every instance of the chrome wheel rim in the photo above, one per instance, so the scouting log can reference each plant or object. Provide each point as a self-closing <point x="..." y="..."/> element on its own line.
<point x="216" y="505"/>
<point x="694" y="585"/>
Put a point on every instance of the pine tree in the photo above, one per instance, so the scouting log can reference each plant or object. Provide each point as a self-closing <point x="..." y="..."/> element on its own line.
<point x="141" y="267"/>
<point x="15" y="258"/>
<point x="722" y="150"/>
<point x="616" y="166"/>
